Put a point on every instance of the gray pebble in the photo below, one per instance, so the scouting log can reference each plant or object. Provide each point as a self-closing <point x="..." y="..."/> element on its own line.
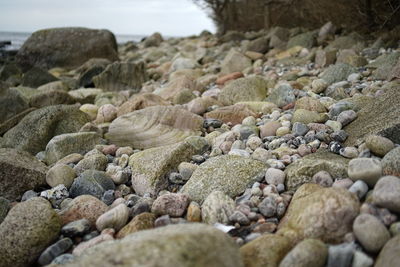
<point x="360" y="188"/>
<point x="299" y="129"/>
<point x="268" y="206"/>
<point x="340" y="255"/>
<point x="366" y="169"/>
<point x="360" y="259"/>
<point x="28" y="195"/>
<point x="239" y="217"/>
<point x="58" y="248"/>
<point x="346" y="117"/>
<point x="63" y="259"/>
<point x="56" y="195"/>
<point x="108" y="197"/>
<point x="76" y="228"/>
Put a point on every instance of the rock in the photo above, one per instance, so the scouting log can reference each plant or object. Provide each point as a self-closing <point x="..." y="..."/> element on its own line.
<point x="28" y="229"/>
<point x="360" y="259"/>
<point x="186" y="170"/>
<point x="172" y="204"/>
<point x="169" y="124"/>
<point x="143" y="221"/>
<point x="268" y="207"/>
<point x="50" y="98"/>
<point x="11" y="104"/>
<point x="36" y="77"/>
<point x="231" y="114"/>
<point x="386" y="193"/>
<point x="379" y="145"/>
<point x="259" y="45"/>
<point x="93" y="162"/>
<point x="306" y="117"/>
<point x="36" y="129"/>
<point x="306" y="40"/>
<point x="55" y="195"/>
<point x="267" y="250"/>
<point x="60" y="174"/>
<point x="269" y="128"/>
<point x="76" y="228"/>
<point x="282" y="95"/>
<point x="4" y="208"/>
<point x="324" y="58"/>
<point x="193" y="212"/>
<point x="383" y="65"/>
<point x="234" y="61"/>
<point x="308" y="253"/>
<point x="141" y="101"/>
<point x="121" y="76"/>
<point x="390" y="254"/>
<point x="311" y="104"/>
<point x="347" y="116"/>
<point x="204" y="245"/>
<point x="391" y="162"/>
<point x="274" y="176"/>
<point x="338" y="72"/>
<point x="66" y="47"/>
<point x="244" y="89"/>
<point x="89" y="69"/>
<point x="374" y="118"/>
<point x="115" y="218"/>
<point x="302" y="170"/>
<point x="83" y="207"/>
<point x="106" y="113"/>
<point x="91" y="182"/>
<point x="177" y="85"/>
<point x="360" y="188"/>
<point x="182" y="63"/>
<point x="318" y="86"/>
<point x="366" y="169"/>
<point x="217" y="208"/>
<point x="54" y="251"/>
<point x="85" y="95"/>
<point x="19" y="172"/>
<point x="370" y="232"/>
<point x="153" y="40"/>
<point x="322" y="213"/>
<point x="151" y="166"/>
<point x="231" y="175"/>
<point x="322" y="178"/>
<point x="65" y="144"/>
<point x="340" y="255"/>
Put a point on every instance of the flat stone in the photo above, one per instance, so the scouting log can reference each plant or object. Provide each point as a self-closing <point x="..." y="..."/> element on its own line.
<point x="96" y="161"/>
<point x="76" y="228"/>
<point x="115" y="218"/>
<point x="338" y="72"/>
<point x="234" y="114"/>
<point x="307" y="116"/>
<point x="54" y="251"/>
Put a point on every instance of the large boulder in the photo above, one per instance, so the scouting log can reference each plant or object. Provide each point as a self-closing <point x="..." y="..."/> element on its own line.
<point x="150" y="167"/>
<point x="228" y="174"/>
<point x="121" y="76"/>
<point x="171" y="246"/>
<point x="36" y="129"/>
<point x="302" y="170"/>
<point x="66" y="47"/>
<point x="244" y="89"/>
<point x="154" y="126"/>
<point x="28" y="229"/>
<point x="321" y="213"/>
<point x="19" y="172"/>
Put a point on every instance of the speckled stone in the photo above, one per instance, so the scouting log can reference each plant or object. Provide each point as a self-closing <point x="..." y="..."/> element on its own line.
<point x="140" y="222"/>
<point x="386" y="193"/>
<point x="391" y="162"/>
<point x="217" y="207"/>
<point x="60" y="174"/>
<point x="366" y="169"/>
<point x="379" y="145"/>
<point x="171" y="204"/>
<point x="308" y="253"/>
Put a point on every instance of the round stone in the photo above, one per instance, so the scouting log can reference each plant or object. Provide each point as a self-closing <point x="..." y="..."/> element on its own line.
<point x="274" y="176"/>
<point x="386" y="193"/>
<point x="323" y="178"/>
<point x="281" y="131"/>
<point x="360" y="188"/>
<point x="318" y="86"/>
<point x="308" y="253"/>
<point x="370" y="232"/>
<point x="60" y="174"/>
<point x="115" y="218"/>
<point x="379" y="145"/>
<point x="268" y="206"/>
<point x="92" y="182"/>
<point x="299" y="129"/>
<point x="367" y="169"/>
<point x="349" y="152"/>
<point x="347" y="116"/>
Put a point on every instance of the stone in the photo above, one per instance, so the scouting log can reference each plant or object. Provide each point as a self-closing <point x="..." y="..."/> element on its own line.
<point x="150" y="167"/>
<point x="65" y="144"/>
<point x="340" y="255"/>
<point x="337" y="73"/>
<point x="267" y="250"/>
<point x="306" y="40"/>
<point x="321" y="213"/>
<point x="200" y="244"/>
<point x="19" y="172"/>
<point x="391" y="162"/>
<point x="275" y="176"/>
<point x="182" y="63"/>
<point x="153" y="40"/>
<point x="268" y="207"/>
<point x="307" y="253"/>
<point x="169" y="124"/>
<point x="56" y="195"/>
<point x="282" y="95"/>
<point x="36" y="129"/>
<point x="66" y="47"/>
<point x="322" y="178"/>
<point x="186" y="170"/>
<point x="390" y="254"/>
<point x="143" y="221"/>
<point x="370" y="232"/>
<point x="76" y="228"/>
<point x="85" y="95"/>
<point x="91" y="182"/>
<point x="60" y="174"/>
<point x="231" y="114"/>
<point x="360" y="259"/>
<point x="193" y="212"/>
<point x="244" y="89"/>
<point x="217" y="208"/>
<point x="83" y="207"/>
<point x="12" y="103"/>
<point x="360" y="188"/>
<point x="89" y="69"/>
<point x="93" y="239"/>
<point x="306" y="117"/>
<point x="311" y="104"/>
<point x="231" y="175"/>
<point x="324" y="58"/>
<point x="172" y="204"/>
<point x="260" y="45"/>
<point x="269" y="128"/>
<point x="35" y="77"/>
<point x="93" y="162"/>
<point x="54" y="251"/>
<point x="302" y="170"/>
<point x="383" y="65"/>
<point x="234" y="61"/>
<point x="115" y="218"/>
<point x="347" y="116"/>
<point x="386" y="193"/>
<point x="106" y="113"/>
<point x="28" y="229"/>
<point x="379" y="145"/>
<point x="366" y="169"/>
<point x="50" y="98"/>
<point x="4" y="208"/>
<point x="141" y="101"/>
<point x="121" y="76"/>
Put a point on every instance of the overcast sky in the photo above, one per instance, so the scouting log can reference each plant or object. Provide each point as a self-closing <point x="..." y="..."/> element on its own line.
<point x="170" y="17"/>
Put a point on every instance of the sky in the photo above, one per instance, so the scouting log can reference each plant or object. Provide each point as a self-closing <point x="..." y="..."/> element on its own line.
<point x="142" y="17"/>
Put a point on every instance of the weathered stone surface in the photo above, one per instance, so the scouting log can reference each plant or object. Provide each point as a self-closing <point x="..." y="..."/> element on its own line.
<point x="282" y="95"/>
<point x="196" y="244"/>
<point x="306" y="40"/>
<point x="244" y="89"/>
<point x="391" y="162"/>
<point x="66" y="47"/>
<point x="379" y="145"/>
<point x="35" y="130"/>
<point x="28" y="229"/>
<point x="338" y="72"/>
<point x="233" y="114"/>
<point x="141" y="101"/>
<point x="308" y="253"/>
<point x="115" y="218"/>
<point x="154" y="126"/>
<point x="230" y="174"/>
<point x="386" y="193"/>
<point x="177" y="85"/>
<point x="390" y="254"/>
<point x="11" y="103"/>
<point x="171" y="204"/>
<point x="36" y="77"/>
<point x="383" y="65"/>
<point x="19" y="172"/>
<point x="50" y="98"/>
<point x="370" y="232"/>
<point x="321" y="213"/>
<point x="65" y="144"/>
<point x="60" y="174"/>
<point x="217" y="208"/>
<point x="234" y="61"/>
<point x="121" y="76"/>
<point x="149" y="167"/>
<point x="143" y="221"/>
<point x="267" y="250"/>
<point x="91" y="182"/>
<point x="302" y="170"/>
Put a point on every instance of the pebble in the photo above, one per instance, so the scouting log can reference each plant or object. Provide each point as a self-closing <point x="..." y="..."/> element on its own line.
<point x="55" y="250"/>
<point x="391" y="162"/>
<point x="239" y="152"/>
<point x="347" y="116"/>
<point x="379" y="145"/>
<point x="274" y="176"/>
<point x="395" y="228"/>
<point x="360" y="259"/>
<point x="92" y="182"/>
<point x="339" y="136"/>
<point x="63" y="259"/>
<point x="124" y="150"/>
<point x="28" y="195"/>
<point x="349" y="152"/>
<point x="176" y="178"/>
<point x="193" y="212"/>
<point x="269" y="129"/>
<point x="171" y="204"/>
<point x="360" y="188"/>
<point x="186" y="170"/>
<point x="386" y="193"/>
<point x="60" y="174"/>
<point x="116" y="218"/>
<point x="318" y="86"/>
<point x="268" y="206"/>
<point x="106" y="234"/>
<point x="108" y="197"/>
<point x="239" y="217"/>
<point x="340" y="255"/>
<point x="299" y="129"/>
<point x="254" y="142"/>
<point x="76" y="228"/>
<point x="56" y="195"/>
<point x="323" y="178"/>
<point x="343" y="183"/>
<point x="366" y="169"/>
<point x="335" y="125"/>
<point x="123" y="161"/>
<point x="281" y="131"/>
<point x="370" y="232"/>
